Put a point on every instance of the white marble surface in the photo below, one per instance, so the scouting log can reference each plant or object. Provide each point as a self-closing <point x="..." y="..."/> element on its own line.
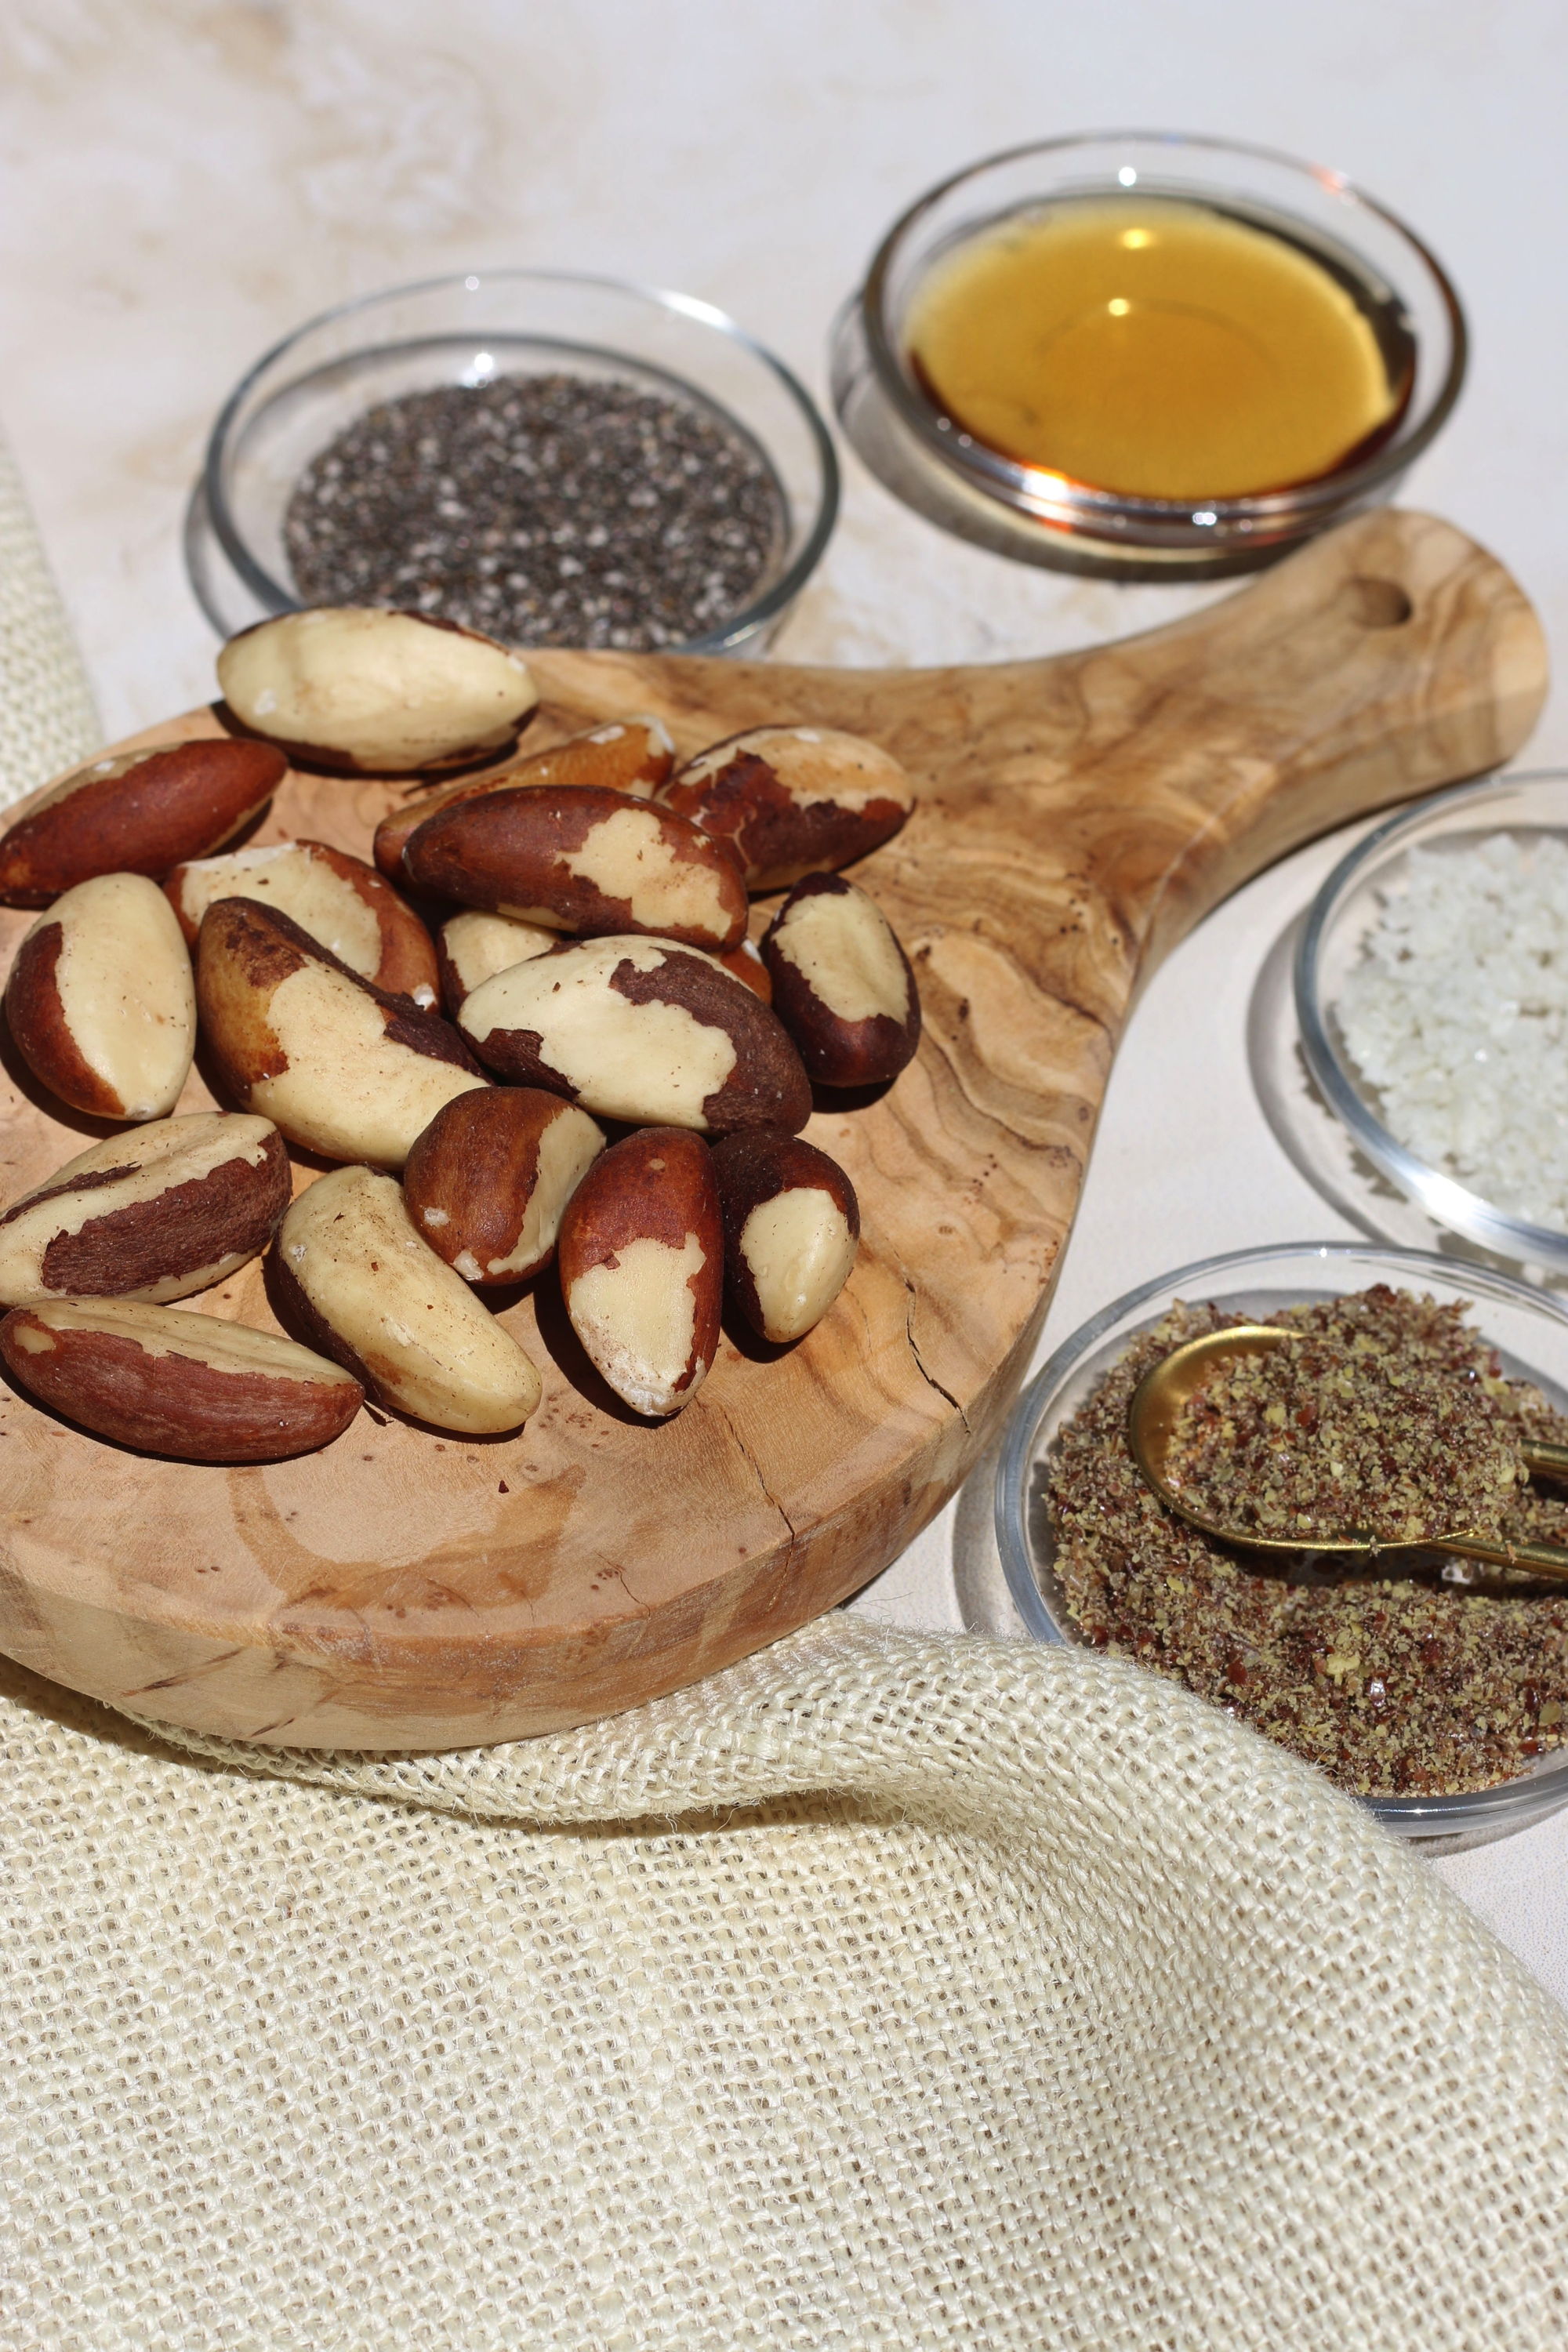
<point x="182" y="180"/>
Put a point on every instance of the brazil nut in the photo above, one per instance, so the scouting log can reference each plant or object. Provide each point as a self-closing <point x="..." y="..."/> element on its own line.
<point x="641" y="1030"/>
<point x="471" y="947"/>
<point x="746" y="962"/>
<point x="842" y="984"/>
<point x="344" y="904"/>
<point x="376" y="693"/>
<point x="629" y="755"/>
<point x="101" y="1001"/>
<point x="168" y="1380"/>
<point x="791" y="1226"/>
<point x="157" y="1214"/>
<point x="581" y="859"/>
<point x="487" y="1180"/>
<point x="336" y="1063"/>
<point x="135" y="813"/>
<point x="642" y="1268"/>
<point x="351" y="1273"/>
<point x="792" y="800"/>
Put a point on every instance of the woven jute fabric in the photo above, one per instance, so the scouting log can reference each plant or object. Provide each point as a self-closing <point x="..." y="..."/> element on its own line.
<point x="882" y="1991"/>
<point x="47" y="715"/>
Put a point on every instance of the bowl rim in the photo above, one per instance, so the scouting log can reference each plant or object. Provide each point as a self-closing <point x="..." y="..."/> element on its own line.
<point x="1528" y="1796"/>
<point x="1036" y="487"/>
<point x="1446" y="1198"/>
<point x="744" y="623"/>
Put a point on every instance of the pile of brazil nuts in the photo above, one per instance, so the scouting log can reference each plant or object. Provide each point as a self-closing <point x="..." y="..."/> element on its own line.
<point x="582" y="918"/>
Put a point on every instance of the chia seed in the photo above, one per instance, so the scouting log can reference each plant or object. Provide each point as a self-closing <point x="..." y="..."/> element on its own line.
<point x="544" y="509"/>
<point x="1393" y="1685"/>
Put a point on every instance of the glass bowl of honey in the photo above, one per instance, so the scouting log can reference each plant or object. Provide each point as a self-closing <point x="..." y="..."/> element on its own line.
<point x="1146" y="355"/>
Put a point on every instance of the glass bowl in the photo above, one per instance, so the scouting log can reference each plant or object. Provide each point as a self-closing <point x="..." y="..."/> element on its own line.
<point x="1045" y="518"/>
<point x="1329" y="945"/>
<point x="464" y="330"/>
<point x="1528" y="1329"/>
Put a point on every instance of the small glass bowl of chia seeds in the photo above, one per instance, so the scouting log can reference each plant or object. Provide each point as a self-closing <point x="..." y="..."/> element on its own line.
<point x="1404" y="1688"/>
<point x="556" y="460"/>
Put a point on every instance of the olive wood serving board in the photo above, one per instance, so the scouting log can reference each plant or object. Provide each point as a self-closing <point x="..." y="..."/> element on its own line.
<point x="407" y="1589"/>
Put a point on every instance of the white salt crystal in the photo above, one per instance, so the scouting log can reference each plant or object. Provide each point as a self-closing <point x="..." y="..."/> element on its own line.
<point x="1457" y="1014"/>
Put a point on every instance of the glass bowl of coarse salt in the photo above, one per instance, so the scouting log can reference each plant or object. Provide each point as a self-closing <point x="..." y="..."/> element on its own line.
<point x="1432" y="994"/>
<point x="556" y="460"/>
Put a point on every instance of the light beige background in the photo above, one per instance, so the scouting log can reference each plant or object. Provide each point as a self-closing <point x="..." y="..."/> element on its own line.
<point x="182" y="180"/>
<point x="185" y="179"/>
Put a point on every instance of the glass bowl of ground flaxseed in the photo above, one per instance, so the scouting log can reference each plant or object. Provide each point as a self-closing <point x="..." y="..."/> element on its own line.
<point x="556" y="460"/>
<point x="1435" y="1690"/>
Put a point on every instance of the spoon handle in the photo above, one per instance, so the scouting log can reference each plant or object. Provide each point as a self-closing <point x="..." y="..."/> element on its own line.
<point x="1539" y="1453"/>
<point x="1547" y="1560"/>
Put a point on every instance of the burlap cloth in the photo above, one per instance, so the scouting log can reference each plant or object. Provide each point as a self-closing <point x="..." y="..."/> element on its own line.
<point x="884" y="1990"/>
<point x="47" y="715"/>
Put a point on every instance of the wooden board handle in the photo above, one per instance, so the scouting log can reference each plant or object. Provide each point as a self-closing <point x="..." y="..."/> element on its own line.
<point x="1391" y="655"/>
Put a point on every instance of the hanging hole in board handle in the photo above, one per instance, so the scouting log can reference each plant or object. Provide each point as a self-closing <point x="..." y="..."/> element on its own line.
<point x="1375" y="603"/>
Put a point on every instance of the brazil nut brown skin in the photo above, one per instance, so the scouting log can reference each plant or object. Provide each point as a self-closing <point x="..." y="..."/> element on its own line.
<point x="340" y="1065"/>
<point x="641" y="1030"/>
<point x="641" y="1260"/>
<point x="792" y="1225"/>
<point x="626" y="755"/>
<point x="487" y="1182"/>
<point x="101" y="1001"/>
<point x="343" y="902"/>
<point x="378" y="693"/>
<point x="842" y="984"/>
<point x="586" y="861"/>
<point x="156" y="1213"/>
<point x="41" y="1029"/>
<point x="169" y="1381"/>
<point x="136" y="813"/>
<point x="792" y="800"/>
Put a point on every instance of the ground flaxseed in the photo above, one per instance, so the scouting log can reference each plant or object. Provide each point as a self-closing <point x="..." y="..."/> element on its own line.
<point x="1394" y="1685"/>
<point x="1375" y="1423"/>
<point x="545" y="510"/>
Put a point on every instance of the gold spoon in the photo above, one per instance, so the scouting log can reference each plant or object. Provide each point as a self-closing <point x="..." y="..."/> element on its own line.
<point x="1167" y="1387"/>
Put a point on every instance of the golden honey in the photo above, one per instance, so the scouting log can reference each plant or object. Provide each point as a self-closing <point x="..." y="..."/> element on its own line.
<point x="1160" y="347"/>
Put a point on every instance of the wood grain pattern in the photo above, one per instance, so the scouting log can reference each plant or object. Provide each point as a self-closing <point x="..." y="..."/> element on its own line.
<point x="405" y="1590"/>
